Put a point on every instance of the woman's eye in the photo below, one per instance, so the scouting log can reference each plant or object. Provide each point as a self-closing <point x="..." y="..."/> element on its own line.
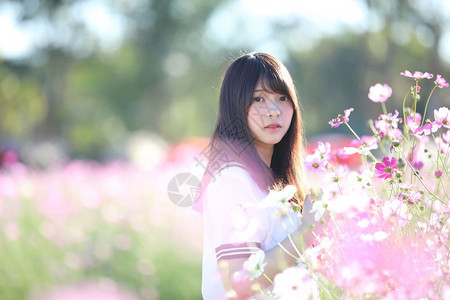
<point x="258" y="99"/>
<point x="284" y="98"/>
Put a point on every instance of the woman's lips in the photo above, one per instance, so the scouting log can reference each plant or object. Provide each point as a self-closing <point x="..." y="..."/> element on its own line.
<point x="273" y="126"/>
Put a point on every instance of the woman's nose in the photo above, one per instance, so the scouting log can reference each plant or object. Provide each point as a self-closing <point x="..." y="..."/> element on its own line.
<point x="273" y="110"/>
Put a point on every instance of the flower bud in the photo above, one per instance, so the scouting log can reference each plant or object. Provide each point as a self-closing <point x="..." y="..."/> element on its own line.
<point x="438" y="173"/>
<point x="395" y="143"/>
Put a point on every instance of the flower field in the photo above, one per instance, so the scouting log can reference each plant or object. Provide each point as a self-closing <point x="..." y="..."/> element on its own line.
<point x="85" y="230"/>
<point x="385" y="221"/>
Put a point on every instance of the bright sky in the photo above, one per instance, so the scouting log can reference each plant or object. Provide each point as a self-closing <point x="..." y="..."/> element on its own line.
<point x="251" y="17"/>
<point x="17" y="40"/>
<point x="326" y="13"/>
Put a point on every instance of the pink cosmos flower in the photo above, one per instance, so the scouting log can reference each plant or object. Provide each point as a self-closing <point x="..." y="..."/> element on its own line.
<point x="438" y="173"/>
<point x="340" y="154"/>
<point x="396" y="211"/>
<point x="379" y="92"/>
<point x="369" y="140"/>
<point x="416" y="158"/>
<point x="442" y="146"/>
<point x="324" y="149"/>
<point x="315" y="163"/>
<point x="426" y="129"/>
<point x="417" y="75"/>
<point x="440" y="81"/>
<point x="442" y="117"/>
<point x="341" y="118"/>
<point x="385" y="263"/>
<point x="413" y="122"/>
<point x="362" y="146"/>
<point x="386" y="124"/>
<point x="386" y="167"/>
<point x="411" y="197"/>
<point x="395" y="134"/>
<point x="446" y="136"/>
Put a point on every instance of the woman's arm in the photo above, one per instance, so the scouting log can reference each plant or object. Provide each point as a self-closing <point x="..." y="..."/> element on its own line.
<point x="239" y="287"/>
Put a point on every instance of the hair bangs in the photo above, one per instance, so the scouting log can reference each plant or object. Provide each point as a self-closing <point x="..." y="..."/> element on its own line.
<point x="272" y="81"/>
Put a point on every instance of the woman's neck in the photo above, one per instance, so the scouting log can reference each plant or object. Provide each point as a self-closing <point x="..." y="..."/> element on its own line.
<point x="265" y="151"/>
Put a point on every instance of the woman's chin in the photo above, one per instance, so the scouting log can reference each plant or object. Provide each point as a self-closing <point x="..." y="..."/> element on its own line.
<point x="271" y="141"/>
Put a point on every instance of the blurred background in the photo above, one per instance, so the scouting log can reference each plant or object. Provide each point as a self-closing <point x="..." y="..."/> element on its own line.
<point x="102" y="102"/>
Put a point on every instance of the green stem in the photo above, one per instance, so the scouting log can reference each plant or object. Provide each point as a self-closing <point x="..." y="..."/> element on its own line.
<point x="287" y="252"/>
<point x="439" y="157"/>
<point x="383" y="106"/>
<point x="405" y="128"/>
<point x="428" y="223"/>
<point x="359" y="139"/>
<point x="293" y="245"/>
<point x="421" y="181"/>
<point x="415" y="99"/>
<point x="335" y="224"/>
<point x="426" y="105"/>
<point x="351" y="129"/>
<point x="267" y="277"/>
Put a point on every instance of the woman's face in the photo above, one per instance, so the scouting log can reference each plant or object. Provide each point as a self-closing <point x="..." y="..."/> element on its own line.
<point x="269" y="115"/>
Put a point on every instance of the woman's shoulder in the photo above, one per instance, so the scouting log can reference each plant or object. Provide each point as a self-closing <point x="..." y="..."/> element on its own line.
<point x="234" y="172"/>
<point x="232" y="187"/>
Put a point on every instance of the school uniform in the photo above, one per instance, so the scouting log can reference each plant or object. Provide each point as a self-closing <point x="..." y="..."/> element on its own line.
<point x="235" y="224"/>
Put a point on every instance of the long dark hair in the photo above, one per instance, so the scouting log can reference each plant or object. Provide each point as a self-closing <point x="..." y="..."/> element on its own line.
<point x="232" y="129"/>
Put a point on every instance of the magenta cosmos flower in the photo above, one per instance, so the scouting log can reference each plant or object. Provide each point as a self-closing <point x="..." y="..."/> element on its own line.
<point x="440" y="81"/>
<point x="380" y="92"/>
<point x="386" y="168"/>
<point x="417" y="75"/>
<point x="341" y="118"/>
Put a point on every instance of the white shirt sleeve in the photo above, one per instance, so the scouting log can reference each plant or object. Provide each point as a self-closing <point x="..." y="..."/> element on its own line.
<point x="237" y="225"/>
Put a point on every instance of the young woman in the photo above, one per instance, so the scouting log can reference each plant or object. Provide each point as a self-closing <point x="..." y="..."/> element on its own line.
<point x="256" y="147"/>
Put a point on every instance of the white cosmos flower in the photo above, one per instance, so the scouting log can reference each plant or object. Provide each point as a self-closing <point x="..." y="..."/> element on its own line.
<point x="279" y="200"/>
<point x="380" y="235"/>
<point x="254" y="265"/>
<point x="319" y="207"/>
<point x="311" y="254"/>
<point x="362" y="151"/>
<point x="295" y="283"/>
<point x="377" y="236"/>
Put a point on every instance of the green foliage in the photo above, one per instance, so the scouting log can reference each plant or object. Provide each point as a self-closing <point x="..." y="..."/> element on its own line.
<point x="165" y="76"/>
<point x="21" y="101"/>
